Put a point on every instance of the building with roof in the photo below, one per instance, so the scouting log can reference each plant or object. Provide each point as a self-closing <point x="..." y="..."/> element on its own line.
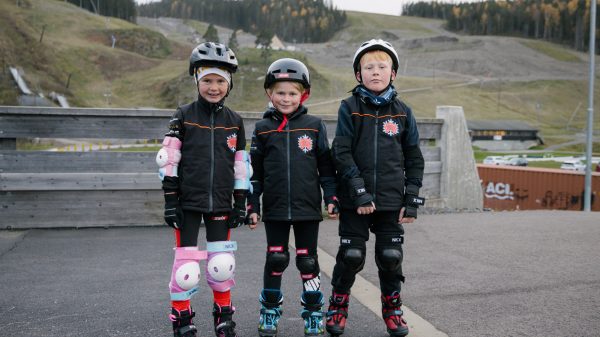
<point x="503" y="135"/>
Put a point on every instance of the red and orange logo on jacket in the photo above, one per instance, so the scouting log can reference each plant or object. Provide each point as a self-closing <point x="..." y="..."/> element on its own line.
<point x="390" y="128"/>
<point x="305" y="143"/>
<point x="232" y="142"/>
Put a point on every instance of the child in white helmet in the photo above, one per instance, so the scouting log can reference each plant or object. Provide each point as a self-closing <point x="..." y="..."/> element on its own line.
<point x="380" y="170"/>
<point x="203" y="167"/>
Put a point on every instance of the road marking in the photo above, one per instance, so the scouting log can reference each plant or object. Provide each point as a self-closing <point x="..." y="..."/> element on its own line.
<point x="363" y="291"/>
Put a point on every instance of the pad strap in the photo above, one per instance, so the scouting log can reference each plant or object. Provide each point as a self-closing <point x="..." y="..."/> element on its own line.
<point x="221" y="246"/>
<point x="184" y="295"/>
<point x="190" y="254"/>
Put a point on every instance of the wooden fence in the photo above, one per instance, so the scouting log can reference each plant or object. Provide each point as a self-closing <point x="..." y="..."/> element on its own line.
<point x="44" y="189"/>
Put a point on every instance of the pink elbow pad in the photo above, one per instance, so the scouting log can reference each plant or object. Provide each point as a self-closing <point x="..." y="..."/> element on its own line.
<point x="242" y="171"/>
<point x="168" y="157"/>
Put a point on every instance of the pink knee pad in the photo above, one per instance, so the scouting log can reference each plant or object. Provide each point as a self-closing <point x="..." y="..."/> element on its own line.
<point x="220" y="266"/>
<point x="185" y="274"/>
<point x="168" y="157"/>
<point x="242" y="171"/>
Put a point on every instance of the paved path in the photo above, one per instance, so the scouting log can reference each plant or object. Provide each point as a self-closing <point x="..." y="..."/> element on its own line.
<point x="472" y="274"/>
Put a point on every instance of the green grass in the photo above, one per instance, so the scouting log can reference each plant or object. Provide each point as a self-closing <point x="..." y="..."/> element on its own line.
<point x="364" y="26"/>
<point x="75" y="42"/>
<point x="552" y="50"/>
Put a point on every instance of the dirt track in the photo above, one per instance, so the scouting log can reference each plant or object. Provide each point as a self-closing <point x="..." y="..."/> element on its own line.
<point x="439" y="53"/>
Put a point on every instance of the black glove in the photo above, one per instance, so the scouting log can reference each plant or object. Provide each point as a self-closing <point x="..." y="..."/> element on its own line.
<point x="249" y="211"/>
<point x="237" y="216"/>
<point x="336" y="204"/>
<point x="173" y="211"/>
<point x="358" y="192"/>
<point x="412" y="201"/>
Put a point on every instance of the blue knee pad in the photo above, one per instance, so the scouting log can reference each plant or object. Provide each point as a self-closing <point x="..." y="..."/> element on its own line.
<point x="220" y="266"/>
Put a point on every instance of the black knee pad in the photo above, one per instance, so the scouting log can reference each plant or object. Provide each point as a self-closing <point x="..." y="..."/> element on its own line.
<point x="307" y="264"/>
<point x="388" y="252"/>
<point x="278" y="261"/>
<point x="352" y="253"/>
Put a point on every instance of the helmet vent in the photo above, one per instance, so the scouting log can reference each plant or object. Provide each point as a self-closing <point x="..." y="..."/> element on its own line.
<point x="291" y="71"/>
<point x="219" y="51"/>
<point x="203" y="52"/>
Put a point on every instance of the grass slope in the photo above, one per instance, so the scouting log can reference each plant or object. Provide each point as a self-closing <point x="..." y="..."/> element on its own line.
<point x="148" y="70"/>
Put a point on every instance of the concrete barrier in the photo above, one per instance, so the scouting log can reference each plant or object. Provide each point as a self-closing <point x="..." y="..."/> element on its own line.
<point x="114" y="188"/>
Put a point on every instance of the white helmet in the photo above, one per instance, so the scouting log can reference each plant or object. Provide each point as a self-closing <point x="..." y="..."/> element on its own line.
<point x="375" y="44"/>
<point x="213" y="54"/>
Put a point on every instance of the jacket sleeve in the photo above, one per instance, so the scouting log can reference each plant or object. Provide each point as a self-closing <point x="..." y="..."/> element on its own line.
<point x="342" y="145"/>
<point x="257" y="157"/>
<point x="414" y="164"/>
<point x="325" y="165"/>
<point x="241" y="137"/>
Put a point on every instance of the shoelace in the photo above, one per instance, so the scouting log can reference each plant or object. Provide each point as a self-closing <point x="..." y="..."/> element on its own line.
<point x="270" y="316"/>
<point x="314" y="321"/>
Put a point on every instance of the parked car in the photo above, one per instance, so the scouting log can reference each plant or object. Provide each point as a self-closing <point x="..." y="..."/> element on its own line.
<point x="573" y="165"/>
<point x="518" y="161"/>
<point x="495" y="160"/>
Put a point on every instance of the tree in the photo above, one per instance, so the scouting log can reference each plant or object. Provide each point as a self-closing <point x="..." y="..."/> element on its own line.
<point x="211" y="34"/>
<point x="233" y="42"/>
<point x="263" y="40"/>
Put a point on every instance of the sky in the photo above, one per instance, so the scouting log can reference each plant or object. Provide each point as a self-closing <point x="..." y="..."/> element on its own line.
<point x="391" y="7"/>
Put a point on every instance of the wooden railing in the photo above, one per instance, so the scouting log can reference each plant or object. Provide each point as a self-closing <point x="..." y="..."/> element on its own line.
<point x="43" y="189"/>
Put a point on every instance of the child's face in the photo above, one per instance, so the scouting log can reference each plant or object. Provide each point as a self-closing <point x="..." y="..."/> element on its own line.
<point x="376" y="74"/>
<point x="213" y="88"/>
<point x="285" y="97"/>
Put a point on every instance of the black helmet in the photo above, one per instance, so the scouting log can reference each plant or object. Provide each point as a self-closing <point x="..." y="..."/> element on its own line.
<point x="375" y="44"/>
<point x="287" y="69"/>
<point x="212" y="54"/>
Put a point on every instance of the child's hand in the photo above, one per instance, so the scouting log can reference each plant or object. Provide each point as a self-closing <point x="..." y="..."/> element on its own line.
<point x="368" y="209"/>
<point x="253" y="220"/>
<point x="332" y="211"/>
<point x="402" y="219"/>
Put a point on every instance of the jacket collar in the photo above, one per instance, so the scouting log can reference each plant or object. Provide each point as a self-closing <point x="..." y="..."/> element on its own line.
<point x="210" y="107"/>
<point x="365" y="95"/>
<point x="275" y="114"/>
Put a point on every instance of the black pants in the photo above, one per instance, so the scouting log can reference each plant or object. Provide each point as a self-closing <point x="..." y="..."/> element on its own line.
<point x="278" y="235"/>
<point x="355" y="228"/>
<point x="216" y="228"/>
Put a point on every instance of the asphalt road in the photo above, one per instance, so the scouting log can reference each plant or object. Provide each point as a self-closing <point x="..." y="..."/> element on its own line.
<point x="533" y="273"/>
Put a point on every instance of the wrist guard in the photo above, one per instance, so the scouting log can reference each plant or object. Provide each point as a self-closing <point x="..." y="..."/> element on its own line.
<point x="358" y="192"/>
<point x="412" y="201"/>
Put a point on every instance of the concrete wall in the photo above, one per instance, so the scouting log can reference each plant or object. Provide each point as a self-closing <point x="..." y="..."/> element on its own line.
<point x="460" y="186"/>
<point x="54" y="189"/>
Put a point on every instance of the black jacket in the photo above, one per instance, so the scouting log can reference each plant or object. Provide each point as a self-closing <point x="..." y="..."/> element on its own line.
<point x="211" y="134"/>
<point x="290" y="166"/>
<point x="380" y="144"/>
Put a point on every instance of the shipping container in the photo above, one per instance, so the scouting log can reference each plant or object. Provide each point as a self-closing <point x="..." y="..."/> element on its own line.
<point x="523" y="188"/>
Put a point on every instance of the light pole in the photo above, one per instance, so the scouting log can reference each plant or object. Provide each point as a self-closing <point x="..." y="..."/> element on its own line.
<point x="587" y="198"/>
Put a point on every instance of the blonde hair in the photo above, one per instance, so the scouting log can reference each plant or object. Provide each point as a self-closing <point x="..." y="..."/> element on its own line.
<point x="376" y="55"/>
<point x="298" y="86"/>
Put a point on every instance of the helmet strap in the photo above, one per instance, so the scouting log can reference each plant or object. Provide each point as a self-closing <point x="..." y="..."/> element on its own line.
<point x="305" y="96"/>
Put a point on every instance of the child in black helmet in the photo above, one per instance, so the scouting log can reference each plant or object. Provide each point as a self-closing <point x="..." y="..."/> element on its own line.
<point x="380" y="170"/>
<point x="203" y="166"/>
<point x="292" y="162"/>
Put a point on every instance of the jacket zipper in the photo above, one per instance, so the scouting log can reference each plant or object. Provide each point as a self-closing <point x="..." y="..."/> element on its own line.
<point x="289" y="175"/>
<point x="375" y="152"/>
<point x="212" y="160"/>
